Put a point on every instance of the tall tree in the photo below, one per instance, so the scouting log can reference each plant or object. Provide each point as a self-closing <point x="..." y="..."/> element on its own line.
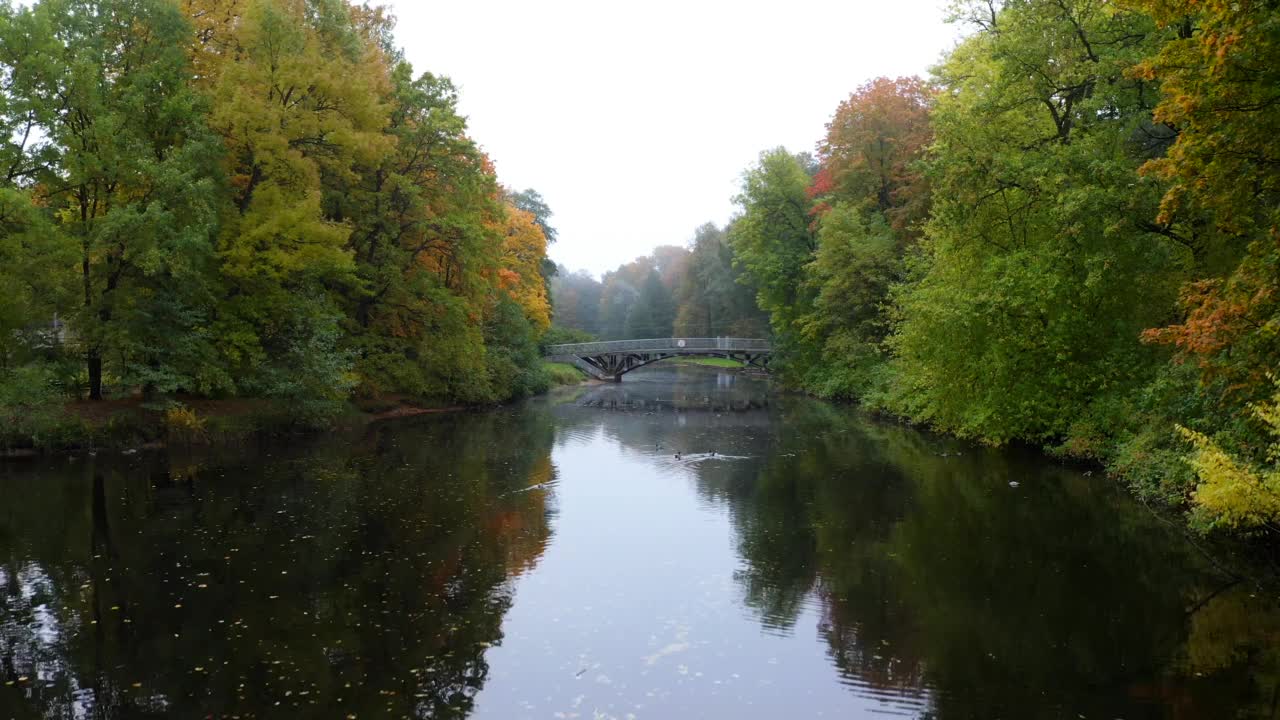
<point x="858" y="261"/>
<point x="1040" y="269"/>
<point x="772" y="240"/>
<point x="422" y="247"/>
<point x="873" y="148"/>
<point x="524" y="248"/>
<point x="576" y="299"/>
<point x="654" y="310"/>
<point x="713" y="297"/>
<point x="129" y="170"/>
<point x="298" y="104"/>
<point x="530" y="201"/>
<point x="1219" y="73"/>
<point x="1219" y="70"/>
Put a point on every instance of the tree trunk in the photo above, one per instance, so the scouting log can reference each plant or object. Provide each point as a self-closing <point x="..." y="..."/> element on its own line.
<point x="95" y="374"/>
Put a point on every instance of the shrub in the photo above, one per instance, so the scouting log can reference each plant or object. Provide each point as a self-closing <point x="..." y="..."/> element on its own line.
<point x="182" y="424"/>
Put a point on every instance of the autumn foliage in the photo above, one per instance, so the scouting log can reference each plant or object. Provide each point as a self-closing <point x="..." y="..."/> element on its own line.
<point x="1068" y="235"/>
<point x="254" y="198"/>
<point x="873" y="149"/>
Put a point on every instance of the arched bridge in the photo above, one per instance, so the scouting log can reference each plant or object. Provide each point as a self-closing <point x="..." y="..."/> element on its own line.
<point x="612" y="359"/>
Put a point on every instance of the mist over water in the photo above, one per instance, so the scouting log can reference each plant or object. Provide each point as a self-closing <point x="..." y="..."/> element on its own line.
<point x="684" y="544"/>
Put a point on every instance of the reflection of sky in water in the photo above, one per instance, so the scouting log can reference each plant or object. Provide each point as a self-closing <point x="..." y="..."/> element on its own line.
<point x="32" y="633"/>
<point x="635" y="609"/>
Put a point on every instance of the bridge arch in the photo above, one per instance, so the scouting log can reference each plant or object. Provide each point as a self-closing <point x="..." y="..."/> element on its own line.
<point x="610" y="360"/>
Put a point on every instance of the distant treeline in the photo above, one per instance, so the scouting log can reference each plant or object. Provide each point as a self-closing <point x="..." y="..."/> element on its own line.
<point x="249" y="198"/>
<point x="695" y="291"/>
<point x="1068" y="235"/>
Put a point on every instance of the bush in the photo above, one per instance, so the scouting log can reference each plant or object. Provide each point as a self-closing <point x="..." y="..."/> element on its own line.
<point x="182" y="424"/>
<point x="562" y="373"/>
<point x="31" y="410"/>
<point x="1234" y="490"/>
<point x="559" y="335"/>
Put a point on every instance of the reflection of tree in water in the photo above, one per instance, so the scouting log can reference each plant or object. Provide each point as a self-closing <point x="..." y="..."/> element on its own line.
<point x="1057" y="598"/>
<point x="366" y="580"/>
<point x="817" y="526"/>
<point x="1235" y="641"/>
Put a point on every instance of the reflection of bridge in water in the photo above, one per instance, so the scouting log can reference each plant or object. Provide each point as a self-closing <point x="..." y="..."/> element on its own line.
<point x="612" y="359"/>
<point x="722" y="400"/>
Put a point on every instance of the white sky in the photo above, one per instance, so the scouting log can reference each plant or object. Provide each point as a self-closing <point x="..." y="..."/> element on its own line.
<point x="635" y="120"/>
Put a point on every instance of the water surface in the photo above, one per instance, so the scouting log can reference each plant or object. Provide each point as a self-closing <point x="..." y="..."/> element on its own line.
<point x="556" y="559"/>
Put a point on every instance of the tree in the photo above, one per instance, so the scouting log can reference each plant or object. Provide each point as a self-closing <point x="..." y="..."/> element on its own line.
<point x="128" y="170"/>
<point x="857" y="262"/>
<point x="530" y="201"/>
<point x="1039" y="268"/>
<point x="873" y="148"/>
<point x="654" y="310"/>
<point x="713" y="297"/>
<point x="576" y="299"/>
<point x="299" y="106"/>
<point x="426" y="251"/>
<point x="772" y="241"/>
<point x="524" y="248"/>
<point x="1218" y="72"/>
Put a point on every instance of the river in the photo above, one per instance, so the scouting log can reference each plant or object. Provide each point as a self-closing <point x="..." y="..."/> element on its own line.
<point x="557" y="559"/>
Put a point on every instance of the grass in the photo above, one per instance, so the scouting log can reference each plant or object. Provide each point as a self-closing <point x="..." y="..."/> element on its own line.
<point x="563" y="373"/>
<point x="712" y="362"/>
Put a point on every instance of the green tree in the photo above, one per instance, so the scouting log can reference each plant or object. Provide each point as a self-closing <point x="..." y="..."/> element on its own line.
<point x="773" y="240"/>
<point x="654" y="310"/>
<point x="420" y="247"/>
<point x="712" y="296"/>
<point x="128" y="169"/>
<point x="575" y="299"/>
<point x="1040" y="267"/>
<point x="858" y="260"/>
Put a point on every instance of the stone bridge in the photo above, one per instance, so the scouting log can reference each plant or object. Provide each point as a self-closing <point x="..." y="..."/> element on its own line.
<point x="612" y="359"/>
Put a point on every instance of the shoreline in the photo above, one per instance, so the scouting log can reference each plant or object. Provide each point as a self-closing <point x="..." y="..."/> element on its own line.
<point x="128" y="425"/>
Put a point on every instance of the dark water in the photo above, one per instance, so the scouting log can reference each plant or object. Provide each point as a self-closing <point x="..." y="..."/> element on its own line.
<point x="555" y="560"/>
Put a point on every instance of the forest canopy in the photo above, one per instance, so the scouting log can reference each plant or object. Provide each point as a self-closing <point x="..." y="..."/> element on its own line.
<point x="252" y="198"/>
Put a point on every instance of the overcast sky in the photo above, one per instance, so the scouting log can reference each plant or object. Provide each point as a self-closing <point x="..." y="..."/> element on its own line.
<point x="635" y="120"/>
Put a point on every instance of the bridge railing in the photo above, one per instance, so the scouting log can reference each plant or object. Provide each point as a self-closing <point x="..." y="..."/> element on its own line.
<point x="611" y="346"/>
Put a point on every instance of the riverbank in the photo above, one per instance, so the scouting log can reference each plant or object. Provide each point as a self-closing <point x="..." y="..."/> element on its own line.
<point x="133" y="423"/>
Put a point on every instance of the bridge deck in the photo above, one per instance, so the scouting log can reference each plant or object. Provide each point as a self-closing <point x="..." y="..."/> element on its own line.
<point x="689" y="346"/>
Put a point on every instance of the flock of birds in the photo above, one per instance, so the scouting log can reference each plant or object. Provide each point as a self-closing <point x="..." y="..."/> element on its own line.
<point x="680" y="456"/>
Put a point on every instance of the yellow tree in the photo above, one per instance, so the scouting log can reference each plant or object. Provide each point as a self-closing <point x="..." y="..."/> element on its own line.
<point x="296" y="97"/>
<point x="1219" y="72"/>
<point x="524" y="247"/>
